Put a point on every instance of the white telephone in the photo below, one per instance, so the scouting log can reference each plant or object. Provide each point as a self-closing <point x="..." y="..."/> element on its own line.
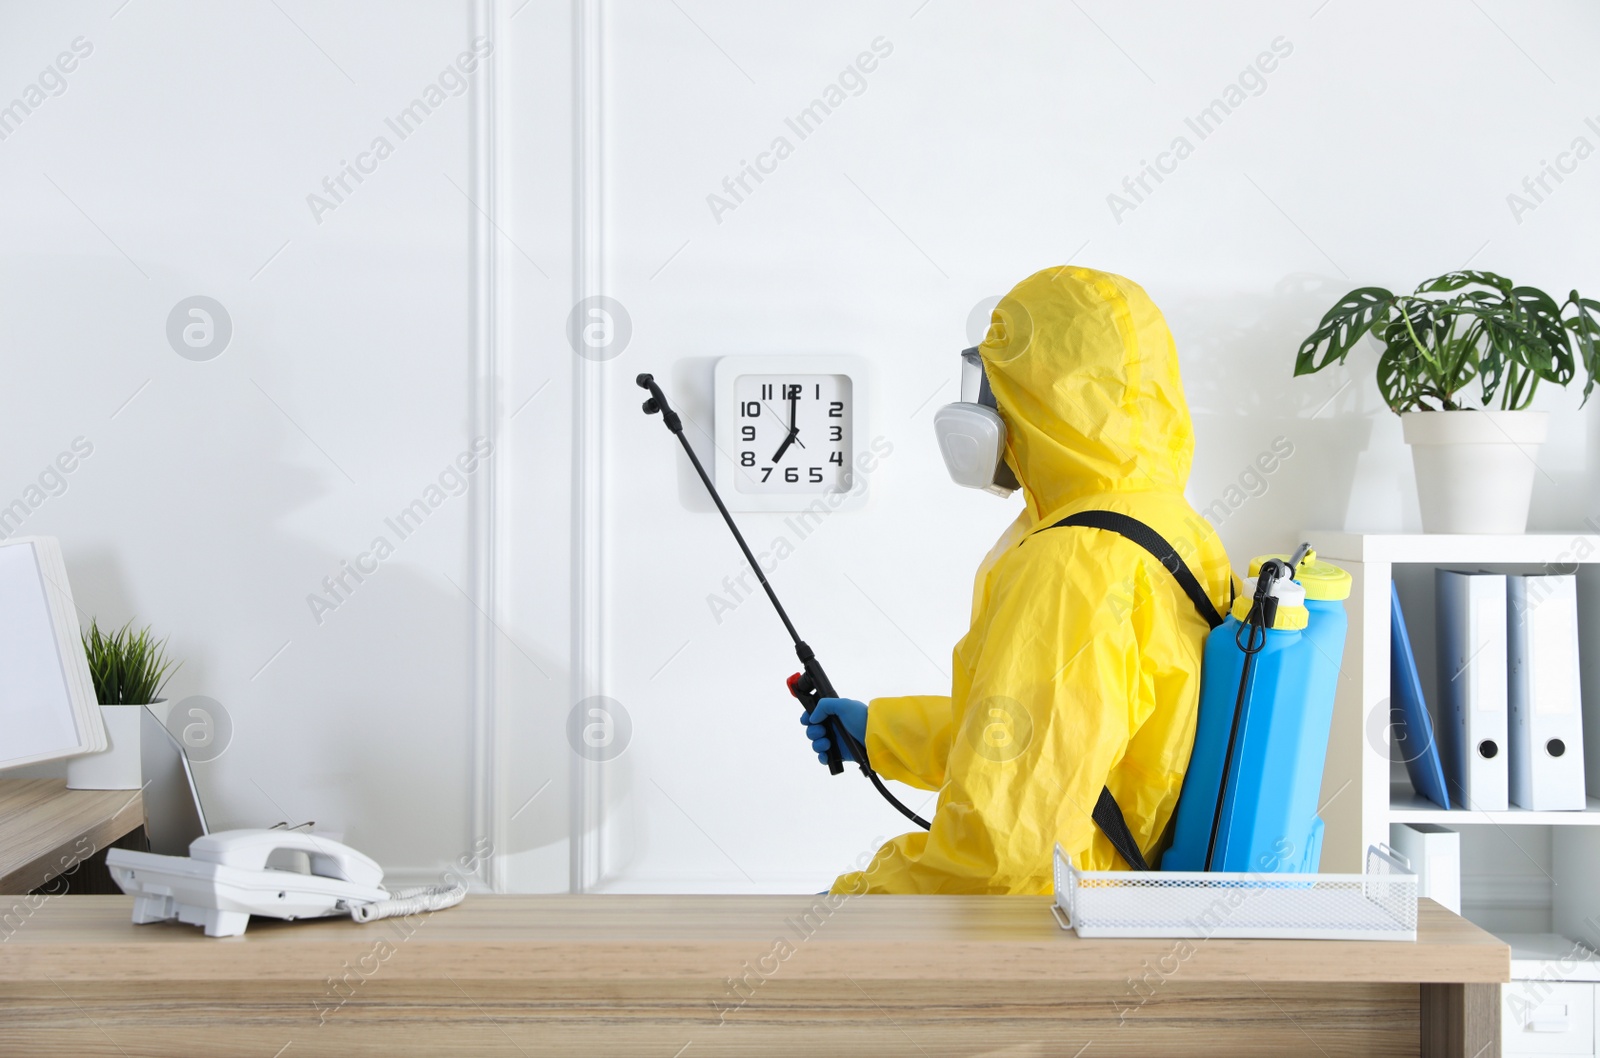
<point x="233" y="874"/>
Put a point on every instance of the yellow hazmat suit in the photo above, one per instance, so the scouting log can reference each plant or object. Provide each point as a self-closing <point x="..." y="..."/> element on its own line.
<point x="1082" y="665"/>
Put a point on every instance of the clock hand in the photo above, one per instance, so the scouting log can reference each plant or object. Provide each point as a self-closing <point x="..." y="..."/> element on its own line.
<point x="794" y="431"/>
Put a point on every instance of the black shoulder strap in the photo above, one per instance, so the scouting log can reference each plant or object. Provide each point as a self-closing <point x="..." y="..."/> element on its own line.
<point x="1107" y="813"/>
<point x="1108" y="817"/>
<point x="1153" y="542"/>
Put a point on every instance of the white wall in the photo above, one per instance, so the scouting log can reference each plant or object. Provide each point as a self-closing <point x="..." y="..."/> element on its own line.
<point x="177" y="162"/>
<point x="1381" y="151"/>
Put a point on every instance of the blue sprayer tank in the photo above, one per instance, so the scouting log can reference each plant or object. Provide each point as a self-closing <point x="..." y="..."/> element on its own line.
<point x="1268" y="820"/>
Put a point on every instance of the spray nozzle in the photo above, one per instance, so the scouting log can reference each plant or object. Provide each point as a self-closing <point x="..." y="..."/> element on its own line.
<point x="658" y="403"/>
<point x="648" y="381"/>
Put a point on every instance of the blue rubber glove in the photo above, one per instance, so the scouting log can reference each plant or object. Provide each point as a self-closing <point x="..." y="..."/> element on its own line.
<point x="851" y="713"/>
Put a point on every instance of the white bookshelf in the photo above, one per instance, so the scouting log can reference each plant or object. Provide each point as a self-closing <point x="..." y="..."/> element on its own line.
<point x="1532" y="549"/>
<point x="1408" y="806"/>
<point x="1363" y="791"/>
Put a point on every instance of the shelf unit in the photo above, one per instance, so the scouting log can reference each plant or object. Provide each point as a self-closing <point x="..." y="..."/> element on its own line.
<point x="1408" y="806"/>
<point x="1551" y="1005"/>
<point x="1364" y="791"/>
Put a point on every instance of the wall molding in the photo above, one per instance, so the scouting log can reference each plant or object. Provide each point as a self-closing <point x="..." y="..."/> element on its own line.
<point x="586" y="865"/>
<point x="485" y="311"/>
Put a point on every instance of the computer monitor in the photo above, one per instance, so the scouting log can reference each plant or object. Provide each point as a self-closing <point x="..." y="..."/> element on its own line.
<point x="173" y="814"/>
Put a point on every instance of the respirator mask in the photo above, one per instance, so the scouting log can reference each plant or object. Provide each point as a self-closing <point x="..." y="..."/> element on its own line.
<point x="972" y="437"/>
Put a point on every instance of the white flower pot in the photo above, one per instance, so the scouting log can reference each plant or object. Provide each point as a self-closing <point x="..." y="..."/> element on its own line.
<point x="116" y="767"/>
<point x="1475" y="469"/>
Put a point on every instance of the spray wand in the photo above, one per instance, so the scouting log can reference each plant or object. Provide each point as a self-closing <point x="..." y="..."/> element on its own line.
<point x="810" y="685"/>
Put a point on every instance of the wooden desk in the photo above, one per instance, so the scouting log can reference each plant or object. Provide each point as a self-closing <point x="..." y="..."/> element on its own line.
<point x="47" y="829"/>
<point x="664" y="976"/>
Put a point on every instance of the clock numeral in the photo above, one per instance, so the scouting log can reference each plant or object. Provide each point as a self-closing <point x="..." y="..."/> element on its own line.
<point x="816" y="475"/>
<point x="766" y="391"/>
<point x="750" y="409"/>
<point x="836" y="409"/>
<point x="791" y="392"/>
<point x="747" y="459"/>
<point x="792" y="475"/>
<point x="766" y="472"/>
<point x="819" y="390"/>
<point x="835" y="433"/>
<point x="748" y="433"/>
<point x="836" y="458"/>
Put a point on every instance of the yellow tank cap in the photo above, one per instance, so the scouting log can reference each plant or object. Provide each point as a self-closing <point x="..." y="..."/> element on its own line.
<point x="1290" y="617"/>
<point x="1323" y="581"/>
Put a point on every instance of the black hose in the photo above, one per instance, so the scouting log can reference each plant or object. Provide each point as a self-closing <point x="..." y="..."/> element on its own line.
<point x="1253" y="630"/>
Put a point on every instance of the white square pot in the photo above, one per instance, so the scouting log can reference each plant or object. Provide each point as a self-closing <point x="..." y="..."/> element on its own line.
<point x="117" y="766"/>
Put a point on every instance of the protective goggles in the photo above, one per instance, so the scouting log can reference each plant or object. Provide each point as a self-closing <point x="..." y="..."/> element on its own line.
<point x="971" y="434"/>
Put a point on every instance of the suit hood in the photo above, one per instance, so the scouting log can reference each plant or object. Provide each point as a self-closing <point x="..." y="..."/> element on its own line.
<point x="1085" y="374"/>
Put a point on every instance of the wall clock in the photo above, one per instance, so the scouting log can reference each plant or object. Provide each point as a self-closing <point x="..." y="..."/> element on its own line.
<point x="789" y="431"/>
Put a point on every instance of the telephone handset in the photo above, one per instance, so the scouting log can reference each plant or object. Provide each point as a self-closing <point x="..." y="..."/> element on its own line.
<point x="233" y="874"/>
<point x="259" y="850"/>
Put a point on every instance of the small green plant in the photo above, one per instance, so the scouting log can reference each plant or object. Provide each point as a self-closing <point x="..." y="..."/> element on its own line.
<point x="129" y="668"/>
<point x="1460" y="328"/>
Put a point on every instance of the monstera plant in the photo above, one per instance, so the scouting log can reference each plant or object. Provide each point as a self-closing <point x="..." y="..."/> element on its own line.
<point x="1462" y="356"/>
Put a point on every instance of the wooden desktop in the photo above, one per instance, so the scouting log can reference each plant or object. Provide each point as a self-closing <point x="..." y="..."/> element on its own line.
<point x="667" y="976"/>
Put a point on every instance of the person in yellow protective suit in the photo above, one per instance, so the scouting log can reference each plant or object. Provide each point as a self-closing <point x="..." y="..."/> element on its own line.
<point x="1082" y="665"/>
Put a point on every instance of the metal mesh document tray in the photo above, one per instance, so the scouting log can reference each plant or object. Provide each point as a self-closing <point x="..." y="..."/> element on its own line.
<point x="1378" y="905"/>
